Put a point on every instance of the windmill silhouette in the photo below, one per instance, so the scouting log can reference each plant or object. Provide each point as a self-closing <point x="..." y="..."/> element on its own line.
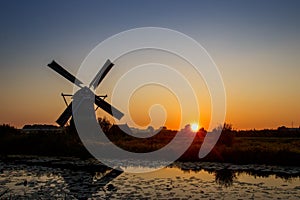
<point x="85" y="93"/>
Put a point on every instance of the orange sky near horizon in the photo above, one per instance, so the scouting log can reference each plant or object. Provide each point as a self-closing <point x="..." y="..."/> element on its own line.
<point x="251" y="102"/>
<point x="257" y="100"/>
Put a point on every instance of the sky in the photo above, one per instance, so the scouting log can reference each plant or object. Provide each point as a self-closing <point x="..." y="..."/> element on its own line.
<point x="255" y="44"/>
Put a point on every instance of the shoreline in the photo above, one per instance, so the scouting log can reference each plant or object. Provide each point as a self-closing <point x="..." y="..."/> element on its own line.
<point x="92" y="164"/>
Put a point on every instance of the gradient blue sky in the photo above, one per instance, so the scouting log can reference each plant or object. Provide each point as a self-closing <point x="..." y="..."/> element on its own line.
<point x="256" y="45"/>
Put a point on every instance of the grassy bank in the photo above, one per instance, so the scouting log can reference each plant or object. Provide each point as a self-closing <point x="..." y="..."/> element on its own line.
<point x="254" y="150"/>
<point x="231" y="147"/>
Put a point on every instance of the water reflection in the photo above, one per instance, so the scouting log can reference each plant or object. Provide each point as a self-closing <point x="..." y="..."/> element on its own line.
<point x="225" y="177"/>
<point x="84" y="186"/>
<point x="77" y="179"/>
<point x="225" y="174"/>
<point x="33" y="178"/>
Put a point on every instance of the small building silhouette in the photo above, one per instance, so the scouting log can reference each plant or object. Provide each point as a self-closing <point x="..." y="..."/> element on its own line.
<point x="41" y="128"/>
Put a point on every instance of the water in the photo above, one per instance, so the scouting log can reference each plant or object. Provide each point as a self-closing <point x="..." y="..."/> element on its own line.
<point x="70" y="178"/>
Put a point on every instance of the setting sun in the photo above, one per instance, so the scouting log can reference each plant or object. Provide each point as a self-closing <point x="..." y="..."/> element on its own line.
<point x="194" y="127"/>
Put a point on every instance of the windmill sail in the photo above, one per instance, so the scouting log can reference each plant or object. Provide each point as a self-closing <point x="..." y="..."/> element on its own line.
<point x="101" y="74"/>
<point x="59" y="69"/>
<point x="65" y="116"/>
<point x="108" y="108"/>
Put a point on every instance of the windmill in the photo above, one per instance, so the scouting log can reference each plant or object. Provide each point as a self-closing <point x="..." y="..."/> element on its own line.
<point x="85" y="92"/>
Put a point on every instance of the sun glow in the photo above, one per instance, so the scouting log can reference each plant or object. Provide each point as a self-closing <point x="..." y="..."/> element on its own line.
<point x="194" y="127"/>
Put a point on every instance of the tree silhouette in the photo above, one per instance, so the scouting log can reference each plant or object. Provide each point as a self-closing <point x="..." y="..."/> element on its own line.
<point x="105" y="124"/>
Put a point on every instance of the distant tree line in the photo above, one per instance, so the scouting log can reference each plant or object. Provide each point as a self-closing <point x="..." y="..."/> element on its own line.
<point x="279" y="132"/>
